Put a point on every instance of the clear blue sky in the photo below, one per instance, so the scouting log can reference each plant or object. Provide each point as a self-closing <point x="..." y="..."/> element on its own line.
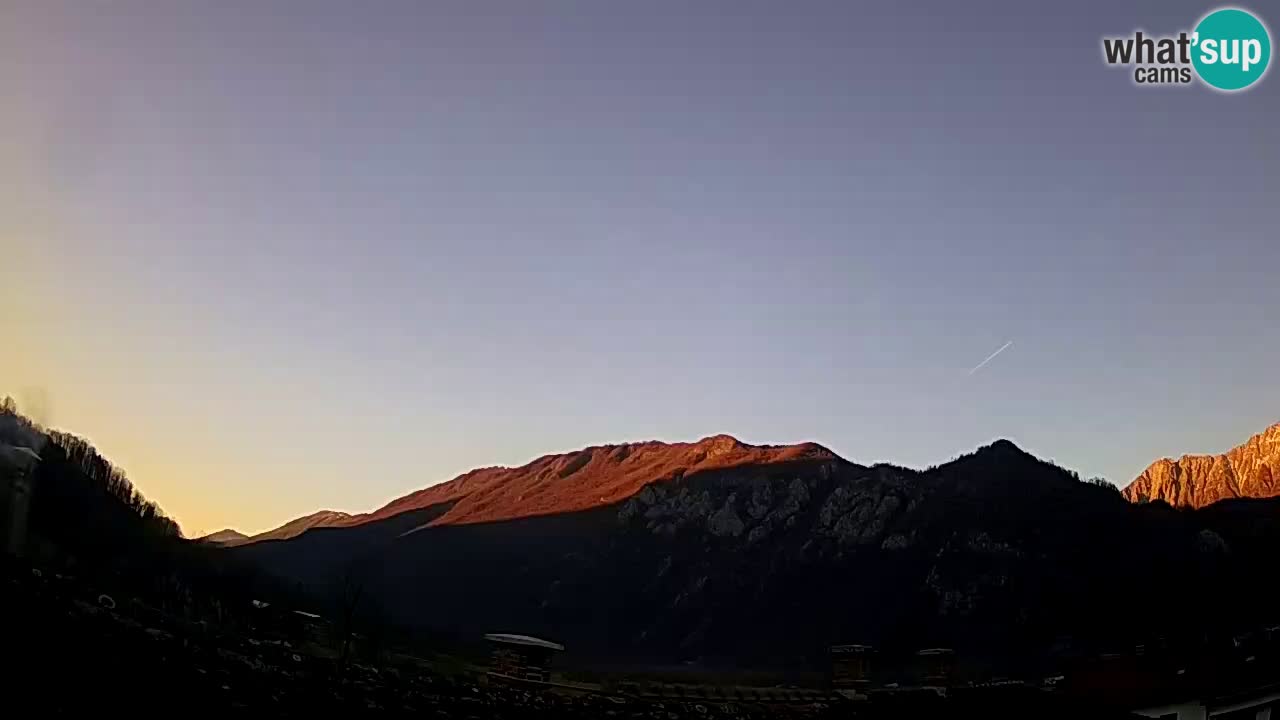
<point x="273" y="257"/>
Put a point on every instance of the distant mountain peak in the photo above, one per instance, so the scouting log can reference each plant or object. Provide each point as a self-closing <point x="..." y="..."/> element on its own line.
<point x="998" y="451"/>
<point x="720" y="438"/>
<point x="1251" y="469"/>
<point x="326" y="515"/>
<point x="719" y="444"/>
<point x="226" y="536"/>
<point x="293" y="528"/>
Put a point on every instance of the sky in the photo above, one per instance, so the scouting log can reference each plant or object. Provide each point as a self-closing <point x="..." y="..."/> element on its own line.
<point x="276" y="257"/>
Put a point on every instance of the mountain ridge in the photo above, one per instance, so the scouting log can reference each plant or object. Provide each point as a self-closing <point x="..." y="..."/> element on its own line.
<point x="224" y="536"/>
<point x="321" y="518"/>
<point x="496" y="493"/>
<point x="1249" y="470"/>
<point x="479" y="493"/>
<point x="984" y="552"/>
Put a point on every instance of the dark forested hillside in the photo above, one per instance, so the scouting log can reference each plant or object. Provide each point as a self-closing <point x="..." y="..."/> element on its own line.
<point x="85" y="518"/>
<point x="82" y="505"/>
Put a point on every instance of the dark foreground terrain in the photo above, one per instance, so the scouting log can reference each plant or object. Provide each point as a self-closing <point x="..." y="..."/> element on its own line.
<point x="736" y="556"/>
<point x="68" y="651"/>
<point x="730" y="557"/>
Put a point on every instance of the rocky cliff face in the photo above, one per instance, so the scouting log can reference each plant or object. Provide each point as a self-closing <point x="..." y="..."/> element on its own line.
<point x="1251" y="470"/>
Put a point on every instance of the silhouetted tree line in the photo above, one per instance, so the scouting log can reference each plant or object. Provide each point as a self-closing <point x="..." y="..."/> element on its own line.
<point x="79" y="498"/>
<point x="15" y="428"/>
<point x="88" y="520"/>
<point x="1102" y="482"/>
<point x="84" y="513"/>
<point x="79" y="462"/>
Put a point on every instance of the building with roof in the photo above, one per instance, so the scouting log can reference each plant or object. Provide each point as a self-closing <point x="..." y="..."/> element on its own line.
<point x="850" y="666"/>
<point x="937" y="665"/>
<point x="521" y="657"/>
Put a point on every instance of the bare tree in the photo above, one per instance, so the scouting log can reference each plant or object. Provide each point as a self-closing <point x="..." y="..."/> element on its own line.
<point x="350" y="593"/>
<point x="1102" y="482"/>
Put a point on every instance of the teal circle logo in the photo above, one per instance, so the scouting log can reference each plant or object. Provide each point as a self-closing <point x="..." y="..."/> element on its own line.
<point x="1231" y="49"/>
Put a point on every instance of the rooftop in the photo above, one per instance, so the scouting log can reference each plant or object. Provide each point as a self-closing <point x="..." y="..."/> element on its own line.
<point x="509" y="639"/>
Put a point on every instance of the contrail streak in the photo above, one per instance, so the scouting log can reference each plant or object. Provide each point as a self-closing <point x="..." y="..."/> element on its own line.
<point x="991" y="357"/>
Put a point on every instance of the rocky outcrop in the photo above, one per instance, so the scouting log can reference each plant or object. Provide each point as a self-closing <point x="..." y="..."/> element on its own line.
<point x="1250" y="470"/>
<point x="754" y="503"/>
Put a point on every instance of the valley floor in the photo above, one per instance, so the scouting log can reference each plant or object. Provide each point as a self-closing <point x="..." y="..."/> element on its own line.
<point x="67" y="652"/>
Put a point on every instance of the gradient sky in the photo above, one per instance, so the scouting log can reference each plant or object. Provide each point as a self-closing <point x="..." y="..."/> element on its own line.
<point x="273" y="257"/>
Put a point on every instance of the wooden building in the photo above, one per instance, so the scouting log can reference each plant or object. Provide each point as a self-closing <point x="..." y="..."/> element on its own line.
<point x="521" y="657"/>
<point x="850" y="666"/>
